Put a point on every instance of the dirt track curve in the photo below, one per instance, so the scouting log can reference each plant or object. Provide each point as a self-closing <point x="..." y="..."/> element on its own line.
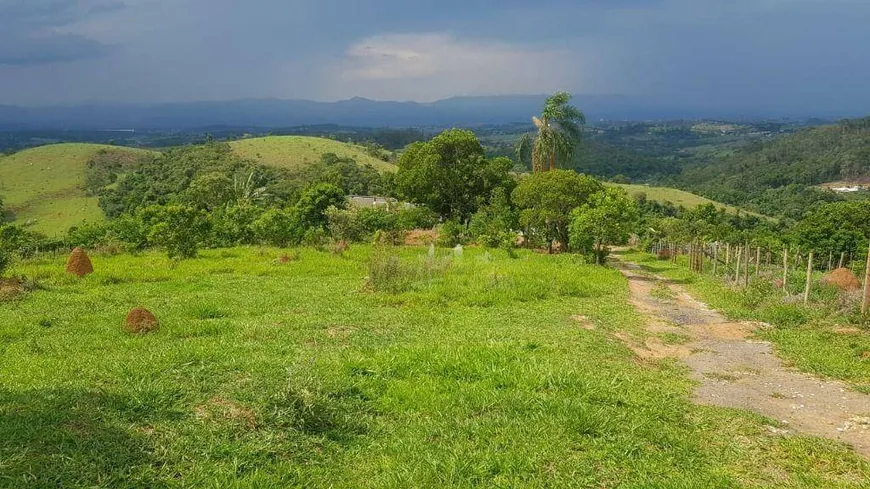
<point x="733" y="370"/>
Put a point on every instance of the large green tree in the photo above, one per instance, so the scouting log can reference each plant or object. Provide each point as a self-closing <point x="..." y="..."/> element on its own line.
<point x="558" y="132"/>
<point x="835" y="228"/>
<point x="546" y="201"/>
<point x="450" y="174"/>
<point x="607" y="219"/>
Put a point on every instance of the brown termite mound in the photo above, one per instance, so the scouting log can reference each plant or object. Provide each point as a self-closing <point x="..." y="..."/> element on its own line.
<point x="79" y="264"/>
<point x="842" y="278"/>
<point x="141" y="321"/>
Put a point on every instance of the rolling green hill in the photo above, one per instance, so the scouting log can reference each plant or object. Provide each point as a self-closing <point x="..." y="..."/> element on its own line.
<point x="46" y="185"/>
<point x="295" y="151"/>
<point x="675" y="196"/>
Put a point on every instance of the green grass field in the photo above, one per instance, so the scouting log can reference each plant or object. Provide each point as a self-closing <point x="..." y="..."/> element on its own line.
<point x="677" y="197"/>
<point x="296" y="151"/>
<point x="479" y="371"/>
<point x="46" y="185"/>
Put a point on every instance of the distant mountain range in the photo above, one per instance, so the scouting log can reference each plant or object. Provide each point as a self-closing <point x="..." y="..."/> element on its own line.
<point x="267" y="113"/>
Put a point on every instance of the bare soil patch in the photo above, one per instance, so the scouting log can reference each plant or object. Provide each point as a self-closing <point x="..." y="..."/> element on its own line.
<point x="421" y="237"/>
<point x="217" y="409"/>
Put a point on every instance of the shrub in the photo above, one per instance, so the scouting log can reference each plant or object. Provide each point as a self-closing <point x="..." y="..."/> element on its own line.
<point x="233" y="225"/>
<point x="88" y="235"/>
<point x="316" y="237"/>
<point x="451" y="234"/>
<point x="415" y="217"/>
<point x="5" y="261"/>
<point x="128" y="231"/>
<point x="278" y="227"/>
<point x="345" y="224"/>
<point x="20" y="241"/>
<point x="492" y="224"/>
<point x="314" y="201"/>
<point x="177" y="229"/>
<point x="374" y="223"/>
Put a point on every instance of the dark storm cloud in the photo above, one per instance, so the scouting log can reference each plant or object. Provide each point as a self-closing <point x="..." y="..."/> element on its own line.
<point x="807" y="55"/>
<point x="31" y="31"/>
<point x="23" y="49"/>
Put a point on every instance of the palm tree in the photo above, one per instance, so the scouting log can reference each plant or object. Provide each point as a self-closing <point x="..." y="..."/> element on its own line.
<point x="559" y="131"/>
<point x="246" y="190"/>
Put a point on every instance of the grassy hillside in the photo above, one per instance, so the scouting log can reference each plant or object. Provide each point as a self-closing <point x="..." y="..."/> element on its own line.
<point x="490" y="372"/>
<point x="295" y="151"/>
<point x="46" y="185"/>
<point x="675" y="196"/>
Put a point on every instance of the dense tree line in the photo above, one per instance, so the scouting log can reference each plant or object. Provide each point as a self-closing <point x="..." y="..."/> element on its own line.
<point x="204" y="195"/>
<point x="778" y="177"/>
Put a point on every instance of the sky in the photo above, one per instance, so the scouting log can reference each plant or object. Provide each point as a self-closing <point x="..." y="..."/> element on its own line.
<point x="806" y="54"/>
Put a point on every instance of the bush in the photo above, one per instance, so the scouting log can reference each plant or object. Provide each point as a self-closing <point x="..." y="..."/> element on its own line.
<point x="316" y="237"/>
<point x="416" y="217"/>
<point x="88" y="235"/>
<point x="491" y="225"/>
<point x="130" y="232"/>
<point x="278" y="227"/>
<point x="388" y="274"/>
<point x="234" y="225"/>
<point x="345" y="224"/>
<point x="18" y="240"/>
<point x="5" y="261"/>
<point x="451" y="234"/>
<point x="373" y="223"/>
<point x="389" y="237"/>
<point x="177" y="229"/>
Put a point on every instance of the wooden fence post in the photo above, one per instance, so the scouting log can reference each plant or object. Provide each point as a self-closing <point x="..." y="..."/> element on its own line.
<point x="809" y="279"/>
<point x="842" y="258"/>
<point x="830" y="260"/>
<point x="785" y="270"/>
<point x="757" y="261"/>
<point x="715" y="258"/>
<point x="737" y="267"/>
<point x="746" y="267"/>
<point x="866" y="285"/>
<point x="727" y="255"/>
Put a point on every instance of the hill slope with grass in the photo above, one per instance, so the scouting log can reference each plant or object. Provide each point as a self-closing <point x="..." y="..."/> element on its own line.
<point x="675" y="196"/>
<point x="46" y="185"/>
<point x="294" y="152"/>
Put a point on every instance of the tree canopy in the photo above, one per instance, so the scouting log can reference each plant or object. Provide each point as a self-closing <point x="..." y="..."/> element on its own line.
<point x="608" y="218"/>
<point x="450" y="174"/>
<point x="546" y="201"/>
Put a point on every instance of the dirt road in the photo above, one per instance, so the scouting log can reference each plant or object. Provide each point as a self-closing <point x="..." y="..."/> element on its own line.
<point x="733" y="370"/>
